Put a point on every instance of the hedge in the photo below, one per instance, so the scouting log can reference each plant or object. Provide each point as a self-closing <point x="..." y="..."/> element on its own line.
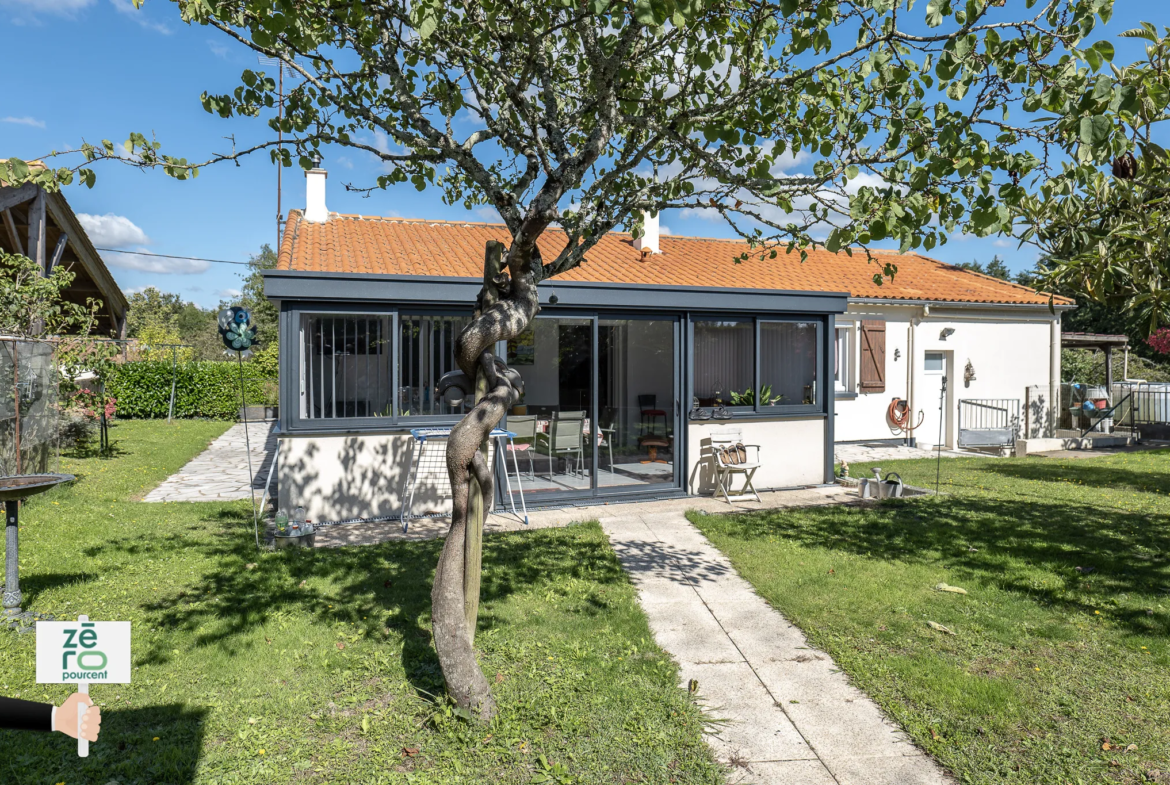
<point x="202" y="389"/>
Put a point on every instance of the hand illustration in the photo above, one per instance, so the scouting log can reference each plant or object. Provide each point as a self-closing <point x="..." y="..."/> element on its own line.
<point x="65" y="718"/>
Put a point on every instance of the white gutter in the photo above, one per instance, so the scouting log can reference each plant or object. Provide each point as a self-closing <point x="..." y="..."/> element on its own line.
<point x="952" y="304"/>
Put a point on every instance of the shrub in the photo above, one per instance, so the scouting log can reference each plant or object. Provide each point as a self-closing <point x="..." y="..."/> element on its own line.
<point x="202" y="389"/>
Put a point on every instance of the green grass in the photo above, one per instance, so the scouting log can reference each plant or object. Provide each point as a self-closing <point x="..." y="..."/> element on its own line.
<point x="1049" y="662"/>
<point x="297" y="666"/>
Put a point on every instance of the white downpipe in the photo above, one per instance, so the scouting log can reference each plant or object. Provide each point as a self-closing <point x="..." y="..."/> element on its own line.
<point x="1053" y="377"/>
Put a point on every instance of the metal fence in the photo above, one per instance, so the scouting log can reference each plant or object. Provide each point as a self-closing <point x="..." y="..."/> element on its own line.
<point x="988" y="422"/>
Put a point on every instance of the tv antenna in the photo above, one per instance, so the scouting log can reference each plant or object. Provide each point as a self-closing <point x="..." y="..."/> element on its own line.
<point x="283" y="66"/>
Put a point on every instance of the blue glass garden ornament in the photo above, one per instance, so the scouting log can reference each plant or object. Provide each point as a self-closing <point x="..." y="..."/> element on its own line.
<point x="235" y="327"/>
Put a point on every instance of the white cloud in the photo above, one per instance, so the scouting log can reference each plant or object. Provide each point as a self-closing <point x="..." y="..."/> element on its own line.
<point x="112" y="230"/>
<point x="139" y="16"/>
<point x="218" y="49"/>
<point x="227" y="294"/>
<point x="135" y="289"/>
<point x="59" y="7"/>
<point x="664" y="230"/>
<point x="489" y="214"/>
<point x="154" y="264"/>
<point x="26" y="120"/>
<point x="1003" y="243"/>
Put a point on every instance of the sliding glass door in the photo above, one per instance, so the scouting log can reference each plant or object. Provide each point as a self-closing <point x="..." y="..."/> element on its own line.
<point x="637" y="403"/>
<point x="599" y="413"/>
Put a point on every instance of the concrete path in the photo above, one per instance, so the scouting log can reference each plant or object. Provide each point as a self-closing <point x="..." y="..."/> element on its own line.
<point x="868" y="453"/>
<point x="220" y="473"/>
<point x="792" y="718"/>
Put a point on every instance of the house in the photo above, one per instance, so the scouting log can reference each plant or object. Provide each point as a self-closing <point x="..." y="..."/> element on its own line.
<point x="41" y="225"/>
<point x="802" y="355"/>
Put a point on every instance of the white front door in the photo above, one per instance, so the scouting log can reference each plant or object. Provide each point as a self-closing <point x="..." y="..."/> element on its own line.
<point x="936" y="369"/>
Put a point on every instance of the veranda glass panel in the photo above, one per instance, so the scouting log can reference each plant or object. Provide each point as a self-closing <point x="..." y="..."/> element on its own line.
<point x="346" y="366"/>
<point x="426" y="351"/>
<point x="553" y="422"/>
<point x="635" y="408"/>
<point x="788" y="363"/>
<point x="724" y="361"/>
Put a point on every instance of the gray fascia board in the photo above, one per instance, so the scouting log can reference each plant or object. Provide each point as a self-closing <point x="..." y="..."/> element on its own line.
<point x="348" y="287"/>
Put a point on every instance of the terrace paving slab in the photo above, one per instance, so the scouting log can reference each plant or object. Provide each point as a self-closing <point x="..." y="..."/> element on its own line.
<point x="220" y="473"/>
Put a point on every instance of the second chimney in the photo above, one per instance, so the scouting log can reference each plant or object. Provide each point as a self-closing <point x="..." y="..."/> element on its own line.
<point x="315" y="193"/>
<point x="648" y="242"/>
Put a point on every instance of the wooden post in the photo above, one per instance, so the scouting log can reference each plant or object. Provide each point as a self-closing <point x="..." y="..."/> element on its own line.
<point x="36" y="230"/>
<point x="58" y="252"/>
<point x="13" y="237"/>
<point x="1109" y="371"/>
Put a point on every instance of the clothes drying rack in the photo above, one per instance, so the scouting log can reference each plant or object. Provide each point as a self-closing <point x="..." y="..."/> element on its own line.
<point x="418" y="445"/>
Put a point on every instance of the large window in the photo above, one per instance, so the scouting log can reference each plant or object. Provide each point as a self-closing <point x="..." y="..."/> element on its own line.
<point x="724" y="362"/>
<point x="426" y="352"/>
<point x="346" y="369"/>
<point x="756" y="365"/>
<point x="788" y="363"/>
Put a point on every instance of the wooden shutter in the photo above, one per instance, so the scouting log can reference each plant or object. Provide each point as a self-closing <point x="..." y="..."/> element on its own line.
<point x="873" y="355"/>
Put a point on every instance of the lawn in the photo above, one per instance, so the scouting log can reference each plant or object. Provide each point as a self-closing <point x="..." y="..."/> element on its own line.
<point x="299" y="666"/>
<point x="1058" y="670"/>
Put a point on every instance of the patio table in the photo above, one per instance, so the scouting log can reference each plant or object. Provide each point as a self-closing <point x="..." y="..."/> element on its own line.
<point x="421" y="436"/>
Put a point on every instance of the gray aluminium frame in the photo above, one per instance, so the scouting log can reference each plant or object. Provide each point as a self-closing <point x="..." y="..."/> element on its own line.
<point x="321" y="288"/>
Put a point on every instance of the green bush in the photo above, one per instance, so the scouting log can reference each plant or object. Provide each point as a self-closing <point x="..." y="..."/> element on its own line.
<point x="202" y="389"/>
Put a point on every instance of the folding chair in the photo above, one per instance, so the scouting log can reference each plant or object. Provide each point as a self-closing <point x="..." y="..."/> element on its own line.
<point x="726" y="469"/>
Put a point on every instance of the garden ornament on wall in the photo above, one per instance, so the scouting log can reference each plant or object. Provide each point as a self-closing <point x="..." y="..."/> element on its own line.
<point x="968" y="374"/>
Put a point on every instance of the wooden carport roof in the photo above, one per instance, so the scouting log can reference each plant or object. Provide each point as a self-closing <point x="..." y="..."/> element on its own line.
<point x="41" y="225"/>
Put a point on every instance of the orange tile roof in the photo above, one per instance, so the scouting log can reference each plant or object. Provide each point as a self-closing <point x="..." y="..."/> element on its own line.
<point x="398" y="246"/>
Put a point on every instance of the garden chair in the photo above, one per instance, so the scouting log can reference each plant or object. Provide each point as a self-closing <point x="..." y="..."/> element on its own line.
<point x="730" y="461"/>
<point x="524" y="426"/>
<point x="565" y="437"/>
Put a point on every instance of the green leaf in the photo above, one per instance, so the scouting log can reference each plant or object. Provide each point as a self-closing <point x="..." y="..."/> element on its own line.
<point x="935" y="12"/>
<point x="1100" y="127"/>
<point x="644" y="13"/>
<point x="1106" y="50"/>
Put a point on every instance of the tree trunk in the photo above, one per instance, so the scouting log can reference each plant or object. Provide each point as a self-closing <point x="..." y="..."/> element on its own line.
<point x="473" y="545"/>
<point x="505" y="307"/>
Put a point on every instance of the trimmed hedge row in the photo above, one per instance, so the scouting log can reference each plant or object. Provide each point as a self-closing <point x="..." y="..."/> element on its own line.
<point x="202" y="389"/>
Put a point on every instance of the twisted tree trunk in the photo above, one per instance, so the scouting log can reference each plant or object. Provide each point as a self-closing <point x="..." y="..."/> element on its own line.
<point x="505" y="307"/>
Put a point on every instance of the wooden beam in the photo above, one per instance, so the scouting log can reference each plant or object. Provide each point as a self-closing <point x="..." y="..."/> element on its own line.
<point x="36" y="230"/>
<point x="10" y="197"/>
<point x="13" y="237"/>
<point x="62" y="241"/>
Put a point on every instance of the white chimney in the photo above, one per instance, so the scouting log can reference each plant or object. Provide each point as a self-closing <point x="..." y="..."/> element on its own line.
<point x="315" y="193"/>
<point x="648" y="242"/>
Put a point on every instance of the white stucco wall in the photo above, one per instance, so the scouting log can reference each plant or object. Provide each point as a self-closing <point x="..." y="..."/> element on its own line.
<point x="1010" y="351"/>
<point x="358" y="476"/>
<point x="792" y="452"/>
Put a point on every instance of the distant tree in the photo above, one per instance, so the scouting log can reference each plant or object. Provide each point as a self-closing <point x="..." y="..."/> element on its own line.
<point x="265" y="314"/>
<point x="995" y="268"/>
<point x="154" y="314"/>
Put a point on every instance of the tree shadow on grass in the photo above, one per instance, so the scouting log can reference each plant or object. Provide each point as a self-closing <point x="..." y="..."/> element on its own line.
<point x="35" y="584"/>
<point x="1087" y="472"/>
<point x="374" y="587"/>
<point x="1118" y="552"/>
<point x="125" y="751"/>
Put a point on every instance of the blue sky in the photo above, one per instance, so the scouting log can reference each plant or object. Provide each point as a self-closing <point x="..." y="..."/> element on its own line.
<point x="103" y="69"/>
